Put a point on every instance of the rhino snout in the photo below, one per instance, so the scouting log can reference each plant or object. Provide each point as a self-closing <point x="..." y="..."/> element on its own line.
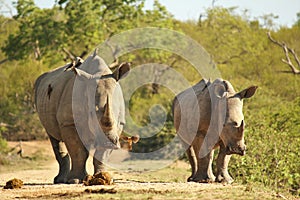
<point x="112" y="143"/>
<point x="242" y="151"/>
<point x="116" y="143"/>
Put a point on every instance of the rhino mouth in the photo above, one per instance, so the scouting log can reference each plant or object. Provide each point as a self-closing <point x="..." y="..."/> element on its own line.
<point x="236" y="150"/>
<point x="111" y="143"/>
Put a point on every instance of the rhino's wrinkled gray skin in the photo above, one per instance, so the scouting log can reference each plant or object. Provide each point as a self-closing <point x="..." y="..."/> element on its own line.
<point x="213" y="118"/>
<point x="71" y="107"/>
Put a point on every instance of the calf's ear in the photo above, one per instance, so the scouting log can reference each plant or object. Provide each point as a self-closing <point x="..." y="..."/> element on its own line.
<point x="247" y="93"/>
<point x="123" y="137"/>
<point x="121" y="71"/>
<point x="135" y="138"/>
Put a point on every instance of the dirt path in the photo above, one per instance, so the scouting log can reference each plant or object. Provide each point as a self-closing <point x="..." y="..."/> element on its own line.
<point x="164" y="184"/>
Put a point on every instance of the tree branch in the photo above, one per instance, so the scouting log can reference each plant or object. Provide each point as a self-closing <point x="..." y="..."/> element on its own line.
<point x="232" y="57"/>
<point x="295" y="56"/>
<point x="69" y="54"/>
<point x="157" y="75"/>
<point x="3" y="61"/>
<point x="287" y="52"/>
<point x="114" y="52"/>
<point x="10" y="9"/>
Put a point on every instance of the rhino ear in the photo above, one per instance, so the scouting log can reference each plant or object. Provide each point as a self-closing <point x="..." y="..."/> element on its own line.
<point x="95" y="52"/>
<point x="247" y="93"/>
<point x="122" y="71"/>
<point x="220" y="91"/>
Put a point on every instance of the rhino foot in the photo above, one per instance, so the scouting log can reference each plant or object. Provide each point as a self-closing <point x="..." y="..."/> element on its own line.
<point x="59" y="179"/>
<point x="207" y="180"/>
<point x="74" y="181"/>
<point x="75" y="177"/>
<point x="200" y="179"/>
<point x="211" y="177"/>
<point x="224" y="179"/>
<point x="190" y="179"/>
<point x="204" y="180"/>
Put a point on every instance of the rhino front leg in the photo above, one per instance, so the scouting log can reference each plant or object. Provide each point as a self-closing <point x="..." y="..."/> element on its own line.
<point x="63" y="159"/>
<point x="100" y="157"/>
<point x="193" y="162"/>
<point x="210" y="172"/>
<point x="222" y="166"/>
<point x="78" y="154"/>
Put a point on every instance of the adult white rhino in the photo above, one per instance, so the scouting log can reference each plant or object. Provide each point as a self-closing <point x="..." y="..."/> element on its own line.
<point x="80" y="112"/>
<point x="206" y="116"/>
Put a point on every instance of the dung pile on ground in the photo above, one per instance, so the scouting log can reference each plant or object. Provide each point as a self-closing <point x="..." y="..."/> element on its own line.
<point x="102" y="178"/>
<point x="102" y="191"/>
<point x="13" y="184"/>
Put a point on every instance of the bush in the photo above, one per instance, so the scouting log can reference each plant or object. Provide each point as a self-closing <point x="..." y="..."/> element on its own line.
<point x="3" y="149"/>
<point x="3" y="144"/>
<point x="273" y="146"/>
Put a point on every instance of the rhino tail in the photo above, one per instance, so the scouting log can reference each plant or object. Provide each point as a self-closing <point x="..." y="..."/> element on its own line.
<point x="50" y="89"/>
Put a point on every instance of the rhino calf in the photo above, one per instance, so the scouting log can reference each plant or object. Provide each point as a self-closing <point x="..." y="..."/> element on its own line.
<point x="206" y="116"/>
<point x="128" y="141"/>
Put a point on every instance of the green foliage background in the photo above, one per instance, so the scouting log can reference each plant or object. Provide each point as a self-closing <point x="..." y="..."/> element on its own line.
<point x="33" y="40"/>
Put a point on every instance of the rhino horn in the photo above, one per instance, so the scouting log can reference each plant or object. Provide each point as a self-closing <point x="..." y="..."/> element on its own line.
<point x="242" y="127"/>
<point x="107" y="118"/>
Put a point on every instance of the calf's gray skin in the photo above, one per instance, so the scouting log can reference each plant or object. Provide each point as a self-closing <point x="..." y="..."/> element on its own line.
<point x="57" y="105"/>
<point x="210" y="100"/>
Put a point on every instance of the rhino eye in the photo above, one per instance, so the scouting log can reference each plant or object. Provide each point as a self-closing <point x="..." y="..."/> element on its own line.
<point x="235" y="124"/>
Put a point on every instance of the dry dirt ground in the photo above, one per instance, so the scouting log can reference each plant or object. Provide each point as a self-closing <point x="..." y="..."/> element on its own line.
<point x="39" y="167"/>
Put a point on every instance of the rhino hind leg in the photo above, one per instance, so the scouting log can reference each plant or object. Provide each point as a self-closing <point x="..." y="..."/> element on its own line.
<point x="63" y="159"/>
<point x="193" y="162"/>
<point x="222" y="166"/>
<point x="78" y="153"/>
<point x="201" y="174"/>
